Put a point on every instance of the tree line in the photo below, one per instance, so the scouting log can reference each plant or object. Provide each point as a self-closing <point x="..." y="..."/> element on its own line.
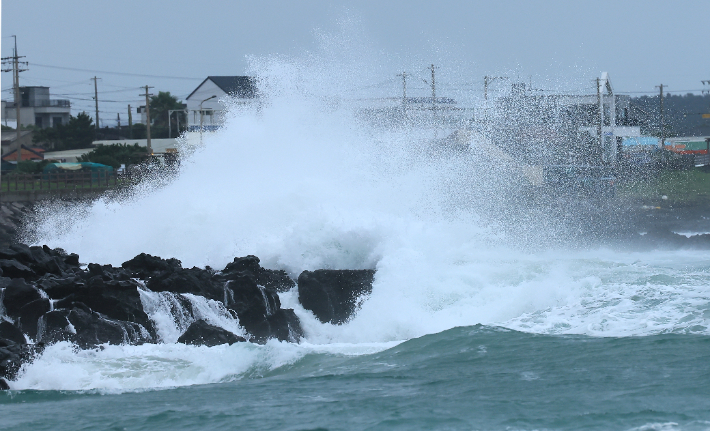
<point x="80" y="131"/>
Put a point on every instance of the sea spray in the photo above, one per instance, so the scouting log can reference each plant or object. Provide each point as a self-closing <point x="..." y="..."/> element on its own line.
<point x="173" y="313"/>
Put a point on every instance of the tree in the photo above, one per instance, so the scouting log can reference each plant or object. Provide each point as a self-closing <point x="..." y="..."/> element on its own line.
<point x="79" y="132"/>
<point x="115" y="155"/>
<point x="160" y="106"/>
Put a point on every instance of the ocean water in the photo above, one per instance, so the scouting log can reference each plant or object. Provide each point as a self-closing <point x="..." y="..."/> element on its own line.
<point x="474" y="322"/>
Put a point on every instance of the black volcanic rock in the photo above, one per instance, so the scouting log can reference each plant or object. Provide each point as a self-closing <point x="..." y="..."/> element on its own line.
<point x="332" y="295"/>
<point x="18" y="294"/>
<point x="13" y="355"/>
<point x="14" y="269"/>
<point x="48" y="297"/>
<point x="249" y="265"/>
<point x="35" y="261"/>
<point x="10" y="332"/>
<point x="30" y="313"/>
<point x="87" y="329"/>
<point x="117" y="300"/>
<point x="145" y="266"/>
<point x="201" y="333"/>
<point x="195" y="281"/>
<point x="3" y="385"/>
<point x="255" y="305"/>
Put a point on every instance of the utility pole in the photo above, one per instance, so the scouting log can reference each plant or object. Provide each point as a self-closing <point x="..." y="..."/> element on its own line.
<point x="96" y="98"/>
<point x="600" y="118"/>
<point x="660" y="100"/>
<point x="433" y="86"/>
<point x="16" y="80"/>
<point x="404" y="90"/>
<point x="130" y="123"/>
<point x="147" y="117"/>
<point x="118" y="119"/>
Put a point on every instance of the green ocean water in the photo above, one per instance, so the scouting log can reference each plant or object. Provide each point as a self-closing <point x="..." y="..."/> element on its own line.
<point x="465" y="378"/>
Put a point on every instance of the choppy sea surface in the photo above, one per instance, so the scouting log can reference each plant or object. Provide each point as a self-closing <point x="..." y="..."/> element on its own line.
<point x="627" y="348"/>
<point x="473" y="323"/>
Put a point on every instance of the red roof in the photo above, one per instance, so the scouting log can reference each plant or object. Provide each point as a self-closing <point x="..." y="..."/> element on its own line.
<point x="27" y="154"/>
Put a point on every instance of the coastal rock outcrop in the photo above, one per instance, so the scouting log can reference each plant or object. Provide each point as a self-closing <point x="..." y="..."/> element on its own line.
<point x="201" y="333"/>
<point x="333" y="295"/>
<point x="47" y="297"/>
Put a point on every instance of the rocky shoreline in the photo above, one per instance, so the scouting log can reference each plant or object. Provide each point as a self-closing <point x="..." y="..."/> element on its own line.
<point x="47" y="296"/>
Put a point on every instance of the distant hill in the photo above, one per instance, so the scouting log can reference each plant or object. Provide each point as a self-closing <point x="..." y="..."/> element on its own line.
<point x="682" y="114"/>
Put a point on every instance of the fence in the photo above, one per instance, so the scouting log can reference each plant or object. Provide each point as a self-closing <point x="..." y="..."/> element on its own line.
<point x="62" y="181"/>
<point x="702" y="159"/>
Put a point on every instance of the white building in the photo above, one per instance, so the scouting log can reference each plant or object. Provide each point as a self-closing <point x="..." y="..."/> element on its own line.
<point x="37" y="109"/>
<point x="206" y="104"/>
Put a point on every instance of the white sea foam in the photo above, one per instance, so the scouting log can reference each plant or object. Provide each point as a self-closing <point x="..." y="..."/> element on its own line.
<point x="172" y="318"/>
<point x="117" y="369"/>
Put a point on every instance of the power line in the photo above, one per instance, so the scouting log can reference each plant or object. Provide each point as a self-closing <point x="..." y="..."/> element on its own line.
<point x="116" y="73"/>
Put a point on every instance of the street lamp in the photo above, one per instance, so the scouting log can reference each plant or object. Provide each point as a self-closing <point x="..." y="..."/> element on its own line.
<point x="202" y="114"/>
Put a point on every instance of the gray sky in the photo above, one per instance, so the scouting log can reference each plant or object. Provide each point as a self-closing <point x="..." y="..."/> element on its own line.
<point x="554" y="45"/>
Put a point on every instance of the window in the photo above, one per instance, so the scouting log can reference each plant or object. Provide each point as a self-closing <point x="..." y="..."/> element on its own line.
<point x="38" y="121"/>
<point x="56" y="121"/>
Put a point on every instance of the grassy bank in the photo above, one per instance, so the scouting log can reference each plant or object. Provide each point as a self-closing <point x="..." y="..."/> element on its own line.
<point x="683" y="188"/>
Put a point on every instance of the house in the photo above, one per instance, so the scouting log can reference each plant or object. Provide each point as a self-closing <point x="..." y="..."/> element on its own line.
<point x="205" y="105"/>
<point x="28" y="153"/>
<point x="38" y="109"/>
<point x="9" y="140"/>
<point x="565" y="129"/>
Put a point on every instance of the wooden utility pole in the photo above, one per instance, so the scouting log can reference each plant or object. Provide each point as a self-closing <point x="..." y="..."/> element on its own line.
<point x="433" y="86"/>
<point x="96" y="99"/>
<point x="660" y="100"/>
<point x="147" y="117"/>
<point x="130" y="123"/>
<point x="18" y="100"/>
<point x="404" y="90"/>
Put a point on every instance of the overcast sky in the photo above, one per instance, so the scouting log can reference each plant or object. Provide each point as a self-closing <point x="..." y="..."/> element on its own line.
<point x="173" y="45"/>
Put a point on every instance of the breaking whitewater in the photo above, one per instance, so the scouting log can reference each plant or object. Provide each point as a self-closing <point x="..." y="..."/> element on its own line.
<point x="473" y="321"/>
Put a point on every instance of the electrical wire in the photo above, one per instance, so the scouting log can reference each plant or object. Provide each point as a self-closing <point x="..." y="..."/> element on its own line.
<point x="116" y="73"/>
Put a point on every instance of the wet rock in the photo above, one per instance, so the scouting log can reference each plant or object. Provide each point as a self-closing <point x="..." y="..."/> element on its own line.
<point x="282" y="325"/>
<point x="195" y="281"/>
<point x="117" y="300"/>
<point x="14" y="269"/>
<point x="87" y="328"/>
<point x="30" y="313"/>
<point x="18" y="294"/>
<point x="35" y="261"/>
<point x="13" y="355"/>
<point x="201" y="333"/>
<point x="3" y="385"/>
<point x="10" y="332"/>
<point x="259" y="310"/>
<point x="145" y="266"/>
<point x="249" y="265"/>
<point x="333" y="295"/>
<point x="61" y="287"/>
